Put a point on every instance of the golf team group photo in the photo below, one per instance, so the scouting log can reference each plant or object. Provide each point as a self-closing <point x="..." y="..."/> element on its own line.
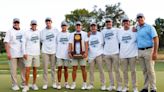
<point x="116" y="48"/>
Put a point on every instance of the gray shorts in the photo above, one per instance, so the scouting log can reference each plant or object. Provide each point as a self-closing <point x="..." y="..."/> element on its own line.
<point x="33" y="61"/>
<point x="76" y="62"/>
<point x="62" y="62"/>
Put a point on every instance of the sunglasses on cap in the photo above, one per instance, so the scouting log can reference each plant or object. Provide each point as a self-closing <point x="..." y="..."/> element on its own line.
<point x="125" y="20"/>
<point x="139" y="17"/>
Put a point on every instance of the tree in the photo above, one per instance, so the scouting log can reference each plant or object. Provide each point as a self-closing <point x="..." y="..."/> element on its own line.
<point x="81" y="15"/>
<point x="2" y="48"/>
<point x="159" y="26"/>
<point x="96" y="15"/>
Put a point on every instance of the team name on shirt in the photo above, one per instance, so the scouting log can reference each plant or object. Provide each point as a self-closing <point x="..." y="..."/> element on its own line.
<point x="126" y="39"/>
<point x="108" y="35"/>
<point x="34" y="38"/>
<point x="19" y="38"/>
<point x="94" y="42"/>
<point x="49" y="37"/>
<point x="63" y="40"/>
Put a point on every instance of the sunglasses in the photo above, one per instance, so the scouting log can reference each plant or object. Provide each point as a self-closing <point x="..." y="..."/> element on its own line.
<point x="108" y="21"/>
<point x="93" y="25"/>
<point x="16" y="22"/>
<point x="48" y="21"/>
<point x="78" y="25"/>
<point x="63" y="25"/>
<point x="139" y="17"/>
<point x="33" y="24"/>
<point x="125" y="20"/>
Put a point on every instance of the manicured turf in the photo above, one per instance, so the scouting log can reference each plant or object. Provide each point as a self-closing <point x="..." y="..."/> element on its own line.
<point x="6" y="85"/>
<point x="5" y="81"/>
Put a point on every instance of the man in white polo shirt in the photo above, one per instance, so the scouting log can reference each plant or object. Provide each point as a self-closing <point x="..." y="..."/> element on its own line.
<point x="111" y="54"/>
<point x="128" y="53"/>
<point x="48" y="39"/>
<point x="95" y="55"/>
<point x="62" y="54"/>
<point x="13" y="45"/>
<point x="31" y="46"/>
<point x="82" y="62"/>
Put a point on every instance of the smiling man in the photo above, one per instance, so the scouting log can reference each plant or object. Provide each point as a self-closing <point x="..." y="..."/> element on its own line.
<point x="128" y="53"/>
<point x="111" y="55"/>
<point x="62" y="54"/>
<point x="13" y="45"/>
<point x="95" y="56"/>
<point x="31" y="53"/>
<point x="48" y="39"/>
<point x="75" y="47"/>
<point x="147" y="40"/>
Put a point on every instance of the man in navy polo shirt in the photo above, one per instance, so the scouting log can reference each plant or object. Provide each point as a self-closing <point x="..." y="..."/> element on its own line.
<point x="147" y="40"/>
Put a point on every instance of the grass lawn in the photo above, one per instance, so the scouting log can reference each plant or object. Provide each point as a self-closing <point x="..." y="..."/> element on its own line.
<point x="6" y="85"/>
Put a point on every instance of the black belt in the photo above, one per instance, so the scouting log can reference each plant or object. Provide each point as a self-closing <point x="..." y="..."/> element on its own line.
<point x="144" y="48"/>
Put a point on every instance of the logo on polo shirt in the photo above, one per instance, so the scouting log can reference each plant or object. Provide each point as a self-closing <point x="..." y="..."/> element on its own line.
<point x="34" y="38"/>
<point x="50" y="37"/>
<point x="109" y="35"/>
<point x="94" y="42"/>
<point x="63" y="40"/>
<point x="126" y="39"/>
<point x="19" y="37"/>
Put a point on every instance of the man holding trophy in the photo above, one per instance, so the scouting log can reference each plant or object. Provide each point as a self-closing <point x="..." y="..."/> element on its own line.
<point x="78" y="52"/>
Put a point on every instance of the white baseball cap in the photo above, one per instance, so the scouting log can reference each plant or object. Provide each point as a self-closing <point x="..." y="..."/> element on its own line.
<point x="140" y="14"/>
<point x="48" y="19"/>
<point x="16" y="20"/>
<point x="78" y="23"/>
<point x="93" y="23"/>
<point x="108" y="19"/>
<point x="33" y="22"/>
<point x="64" y="23"/>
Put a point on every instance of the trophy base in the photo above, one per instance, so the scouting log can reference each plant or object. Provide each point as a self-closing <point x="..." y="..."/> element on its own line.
<point x="78" y="56"/>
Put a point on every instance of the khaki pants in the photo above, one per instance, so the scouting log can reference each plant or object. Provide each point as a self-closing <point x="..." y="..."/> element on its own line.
<point x="13" y="63"/>
<point x="112" y="61"/>
<point x="132" y="62"/>
<point x="49" y="58"/>
<point x="99" y="61"/>
<point x="147" y="64"/>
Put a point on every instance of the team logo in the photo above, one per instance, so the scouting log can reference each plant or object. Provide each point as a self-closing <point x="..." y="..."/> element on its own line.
<point x="126" y="39"/>
<point x="94" y="42"/>
<point x="63" y="40"/>
<point x="50" y="37"/>
<point x="109" y="35"/>
<point x="34" y="38"/>
<point x="19" y="37"/>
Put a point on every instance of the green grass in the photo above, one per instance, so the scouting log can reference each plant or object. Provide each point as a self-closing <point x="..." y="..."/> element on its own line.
<point x="6" y="82"/>
<point x="6" y="85"/>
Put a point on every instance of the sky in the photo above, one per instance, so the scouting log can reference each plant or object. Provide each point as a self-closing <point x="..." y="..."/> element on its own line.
<point x="26" y="10"/>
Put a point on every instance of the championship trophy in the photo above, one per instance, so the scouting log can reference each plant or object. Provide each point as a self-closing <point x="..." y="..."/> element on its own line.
<point x="77" y="48"/>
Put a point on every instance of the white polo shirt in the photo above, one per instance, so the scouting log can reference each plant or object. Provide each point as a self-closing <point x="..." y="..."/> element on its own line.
<point x="62" y="45"/>
<point x="95" y="45"/>
<point x="32" y="42"/>
<point x="128" y="43"/>
<point x="48" y="39"/>
<point x="15" y="40"/>
<point x="111" y="44"/>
